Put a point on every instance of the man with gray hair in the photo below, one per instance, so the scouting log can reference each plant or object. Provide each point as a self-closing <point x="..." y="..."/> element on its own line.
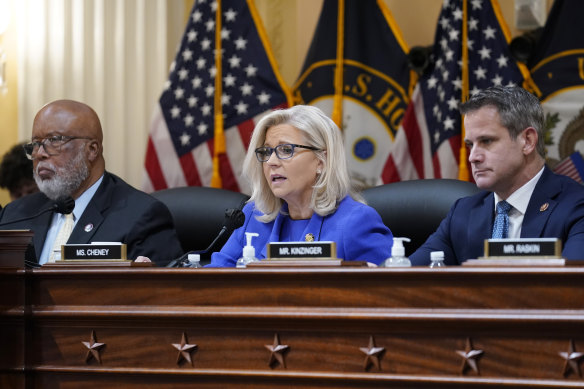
<point x="67" y="155"/>
<point x="522" y="197"/>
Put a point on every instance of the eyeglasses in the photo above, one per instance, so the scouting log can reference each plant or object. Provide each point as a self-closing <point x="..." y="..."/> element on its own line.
<point x="52" y="145"/>
<point x="283" y="151"/>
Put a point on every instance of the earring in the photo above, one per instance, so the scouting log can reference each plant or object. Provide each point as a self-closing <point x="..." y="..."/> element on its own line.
<point x="318" y="172"/>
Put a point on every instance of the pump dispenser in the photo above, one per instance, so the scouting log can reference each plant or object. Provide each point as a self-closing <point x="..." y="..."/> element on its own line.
<point x="398" y="254"/>
<point x="248" y="251"/>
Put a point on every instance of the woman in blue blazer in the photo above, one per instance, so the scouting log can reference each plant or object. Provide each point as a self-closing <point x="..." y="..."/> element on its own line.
<point x="301" y="191"/>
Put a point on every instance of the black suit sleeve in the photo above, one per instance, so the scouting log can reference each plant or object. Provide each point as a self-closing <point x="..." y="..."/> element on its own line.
<point x="153" y="235"/>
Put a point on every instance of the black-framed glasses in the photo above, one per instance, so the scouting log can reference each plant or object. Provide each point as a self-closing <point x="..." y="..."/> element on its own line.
<point x="52" y="144"/>
<point x="283" y="151"/>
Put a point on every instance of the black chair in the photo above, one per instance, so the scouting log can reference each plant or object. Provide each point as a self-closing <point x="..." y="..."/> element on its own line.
<point x="414" y="209"/>
<point x="199" y="214"/>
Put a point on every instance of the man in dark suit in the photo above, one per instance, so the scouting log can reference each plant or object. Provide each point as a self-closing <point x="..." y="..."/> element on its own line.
<point x="67" y="156"/>
<point x="504" y="136"/>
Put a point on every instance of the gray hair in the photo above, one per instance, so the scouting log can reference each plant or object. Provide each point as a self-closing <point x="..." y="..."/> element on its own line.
<point x="518" y="110"/>
<point x="319" y="131"/>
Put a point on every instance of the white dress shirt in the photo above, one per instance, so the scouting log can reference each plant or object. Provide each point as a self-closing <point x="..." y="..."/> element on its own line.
<point x="59" y="219"/>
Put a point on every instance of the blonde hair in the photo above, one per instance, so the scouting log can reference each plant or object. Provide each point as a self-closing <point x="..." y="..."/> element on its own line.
<point x="319" y="131"/>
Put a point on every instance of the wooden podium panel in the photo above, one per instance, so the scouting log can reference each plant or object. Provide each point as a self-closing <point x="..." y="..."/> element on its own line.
<point x="292" y="328"/>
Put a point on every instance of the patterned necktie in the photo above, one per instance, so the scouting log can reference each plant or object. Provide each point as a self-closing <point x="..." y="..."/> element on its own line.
<point x="62" y="237"/>
<point x="501" y="226"/>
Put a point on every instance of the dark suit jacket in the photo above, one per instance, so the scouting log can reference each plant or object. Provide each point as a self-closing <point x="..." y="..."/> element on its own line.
<point x="470" y="221"/>
<point x="118" y="213"/>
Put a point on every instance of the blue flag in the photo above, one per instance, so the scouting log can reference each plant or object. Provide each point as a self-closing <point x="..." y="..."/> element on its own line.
<point x="356" y="70"/>
<point x="558" y="71"/>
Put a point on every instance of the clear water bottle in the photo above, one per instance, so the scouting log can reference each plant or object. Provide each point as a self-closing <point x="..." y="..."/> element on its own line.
<point x="437" y="259"/>
<point x="194" y="260"/>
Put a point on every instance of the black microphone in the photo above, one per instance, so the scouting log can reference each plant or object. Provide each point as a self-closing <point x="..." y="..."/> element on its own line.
<point x="234" y="218"/>
<point x="64" y="206"/>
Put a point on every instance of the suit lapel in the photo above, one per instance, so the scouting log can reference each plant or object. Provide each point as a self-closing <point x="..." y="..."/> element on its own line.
<point x="93" y="215"/>
<point x="87" y="225"/>
<point x="540" y="207"/>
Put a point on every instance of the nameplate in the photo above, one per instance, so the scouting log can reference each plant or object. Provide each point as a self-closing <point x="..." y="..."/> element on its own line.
<point x="305" y="250"/>
<point x="525" y="247"/>
<point x="74" y="252"/>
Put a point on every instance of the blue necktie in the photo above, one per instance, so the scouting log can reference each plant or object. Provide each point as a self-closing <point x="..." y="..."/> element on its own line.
<point x="501" y="226"/>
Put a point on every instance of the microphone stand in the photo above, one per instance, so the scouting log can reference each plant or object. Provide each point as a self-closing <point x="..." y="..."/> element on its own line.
<point x="234" y="218"/>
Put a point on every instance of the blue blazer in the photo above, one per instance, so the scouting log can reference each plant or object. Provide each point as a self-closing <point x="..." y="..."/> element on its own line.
<point x="116" y="213"/>
<point x="356" y="228"/>
<point x="470" y="221"/>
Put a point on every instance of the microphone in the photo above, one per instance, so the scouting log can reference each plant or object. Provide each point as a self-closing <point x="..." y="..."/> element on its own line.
<point x="64" y="205"/>
<point x="234" y="218"/>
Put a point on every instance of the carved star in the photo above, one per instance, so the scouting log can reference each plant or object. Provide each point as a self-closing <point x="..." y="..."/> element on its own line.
<point x="372" y="354"/>
<point x="93" y="349"/>
<point x="184" y="350"/>
<point x="277" y="352"/>
<point x="572" y="360"/>
<point x="469" y="357"/>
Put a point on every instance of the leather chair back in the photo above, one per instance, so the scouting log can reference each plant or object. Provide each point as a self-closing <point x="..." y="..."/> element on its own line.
<point x="414" y="209"/>
<point x="199" y="214"/>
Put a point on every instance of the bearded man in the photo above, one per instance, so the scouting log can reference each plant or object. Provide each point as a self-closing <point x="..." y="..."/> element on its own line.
<point x="67" y="155"/>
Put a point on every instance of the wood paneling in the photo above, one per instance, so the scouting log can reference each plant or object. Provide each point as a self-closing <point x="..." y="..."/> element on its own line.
<point x="416" y="324"/>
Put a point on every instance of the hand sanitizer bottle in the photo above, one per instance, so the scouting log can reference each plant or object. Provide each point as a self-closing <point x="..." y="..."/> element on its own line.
<point x="398" y="254"/>
<point x="248" y="251"/>
<point x="194" y="260"/>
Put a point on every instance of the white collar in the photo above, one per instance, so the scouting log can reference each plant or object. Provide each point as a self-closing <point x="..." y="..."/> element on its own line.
<point x="519" y="199"/>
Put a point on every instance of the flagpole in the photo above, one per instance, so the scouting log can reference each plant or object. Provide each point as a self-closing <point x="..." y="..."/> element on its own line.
<point x="337" y="114"/>
<point x="219" y="141"/>
<point x="401" y="41"/>
<point x="462" y="163"/>
<point x="266" y="42"/>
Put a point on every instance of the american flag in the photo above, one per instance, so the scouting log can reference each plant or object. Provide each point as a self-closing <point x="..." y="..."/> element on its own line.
<point x="181" y="146"/>
<point x="572" y="166"/>
<point x="470" y="53"/>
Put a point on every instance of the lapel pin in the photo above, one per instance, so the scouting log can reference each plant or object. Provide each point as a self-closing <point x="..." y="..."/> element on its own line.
<point x="309" y="237"/>
<point x="88" y="227"/>
<point x="544" y="207"/>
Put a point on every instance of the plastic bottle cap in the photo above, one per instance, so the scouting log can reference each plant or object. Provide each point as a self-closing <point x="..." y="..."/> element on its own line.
<point x="437" y="255"/>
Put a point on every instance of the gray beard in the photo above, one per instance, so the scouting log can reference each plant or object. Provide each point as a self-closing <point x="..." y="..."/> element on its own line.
<point x="66" y="180"/>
